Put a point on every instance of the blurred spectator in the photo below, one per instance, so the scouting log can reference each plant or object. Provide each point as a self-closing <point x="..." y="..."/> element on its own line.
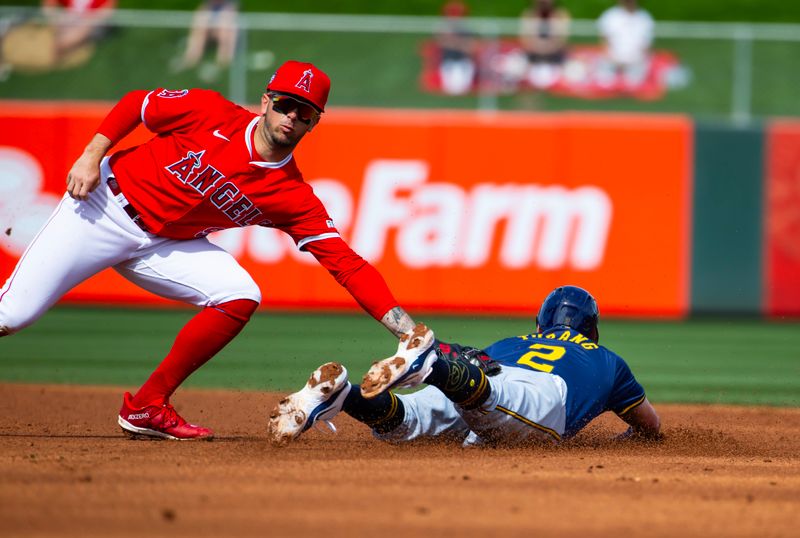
<point x="65" y="39"/>
<point x="213" y="20"/>
<point x="544" y="30"/>
<point x="77" y="22"/>
<point x="627" y="32"/>
<point x="457" y="46"/>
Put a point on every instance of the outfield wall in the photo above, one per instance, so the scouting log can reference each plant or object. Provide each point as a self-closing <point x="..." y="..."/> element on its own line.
<point x="463" y="211"/>
<point x="782" y="219"/>
<point x="727" y="260"/>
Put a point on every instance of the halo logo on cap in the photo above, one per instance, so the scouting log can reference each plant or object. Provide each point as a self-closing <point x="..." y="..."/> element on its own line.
<point x="305" y="81"/>
<point x="302" y="80"/>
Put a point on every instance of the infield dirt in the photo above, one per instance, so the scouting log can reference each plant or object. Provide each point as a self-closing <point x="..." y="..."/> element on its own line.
<point x="66" y="470"/>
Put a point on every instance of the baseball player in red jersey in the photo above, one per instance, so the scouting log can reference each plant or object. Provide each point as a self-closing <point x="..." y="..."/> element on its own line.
<point x="146" y="211"/>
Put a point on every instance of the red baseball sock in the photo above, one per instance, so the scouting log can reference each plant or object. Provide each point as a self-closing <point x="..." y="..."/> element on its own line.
<point x="199" y="340"/>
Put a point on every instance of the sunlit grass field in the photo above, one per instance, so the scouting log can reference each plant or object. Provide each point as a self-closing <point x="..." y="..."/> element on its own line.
<point x="735" y="361"/>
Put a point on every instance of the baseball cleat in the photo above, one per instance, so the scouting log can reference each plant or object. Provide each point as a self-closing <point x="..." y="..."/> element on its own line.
<point x="408" y="368"/>
<point x="158" y="422"/>
<point x="321" y="399"/>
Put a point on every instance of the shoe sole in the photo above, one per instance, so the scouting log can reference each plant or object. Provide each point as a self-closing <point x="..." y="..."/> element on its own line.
<point x="295" y="421"/>
<point x="138" y="434"/>
<point x="384" y="374"/>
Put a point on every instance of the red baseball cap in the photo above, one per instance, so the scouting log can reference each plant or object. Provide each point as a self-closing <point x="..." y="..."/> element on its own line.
<point x="302" y="80"/>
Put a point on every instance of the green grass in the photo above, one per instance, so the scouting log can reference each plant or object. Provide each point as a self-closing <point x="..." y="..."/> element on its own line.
<point x="709" y="361"/>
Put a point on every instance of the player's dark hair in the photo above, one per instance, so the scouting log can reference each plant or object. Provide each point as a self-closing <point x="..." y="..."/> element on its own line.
<point x="570" y="306"/>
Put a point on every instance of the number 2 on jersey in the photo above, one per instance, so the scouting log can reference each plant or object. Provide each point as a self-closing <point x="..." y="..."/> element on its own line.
<point x="542" y="352"/>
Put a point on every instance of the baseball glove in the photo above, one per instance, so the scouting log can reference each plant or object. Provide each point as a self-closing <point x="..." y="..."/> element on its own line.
<point x="476" y="357"/>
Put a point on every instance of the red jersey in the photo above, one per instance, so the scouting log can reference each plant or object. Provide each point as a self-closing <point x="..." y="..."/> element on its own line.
<point x="201" y="173"/>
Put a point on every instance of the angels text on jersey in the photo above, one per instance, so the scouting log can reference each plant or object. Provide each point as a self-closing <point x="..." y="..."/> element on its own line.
<point x="224" y="195"/>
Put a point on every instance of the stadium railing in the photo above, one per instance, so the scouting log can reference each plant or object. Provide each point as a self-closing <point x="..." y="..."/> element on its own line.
<point x="734" y="71"/>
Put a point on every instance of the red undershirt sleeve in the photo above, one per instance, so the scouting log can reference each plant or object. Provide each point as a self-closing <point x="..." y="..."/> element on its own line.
<point x="124" y="117"/>
<point x="358" y="277"/>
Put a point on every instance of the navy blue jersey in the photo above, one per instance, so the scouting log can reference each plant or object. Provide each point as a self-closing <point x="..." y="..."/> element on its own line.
<point x="597" y="379"/>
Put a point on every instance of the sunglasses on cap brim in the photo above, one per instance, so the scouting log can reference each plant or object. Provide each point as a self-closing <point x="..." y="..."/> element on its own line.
<point x="284" y="104"/>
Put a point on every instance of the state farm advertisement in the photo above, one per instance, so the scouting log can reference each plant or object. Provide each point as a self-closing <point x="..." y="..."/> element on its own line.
<point x="459" y="211"/>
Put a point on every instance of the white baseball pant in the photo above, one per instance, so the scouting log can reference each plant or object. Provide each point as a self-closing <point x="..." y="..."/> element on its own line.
<point x="81" y="238"/>
<point x="523" y="406"/>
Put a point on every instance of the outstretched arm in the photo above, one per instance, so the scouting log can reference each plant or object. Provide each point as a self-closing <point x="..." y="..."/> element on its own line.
<point x="397" y="321"/>
<point x="644" y="422"/>
<point x="363" y="282"/>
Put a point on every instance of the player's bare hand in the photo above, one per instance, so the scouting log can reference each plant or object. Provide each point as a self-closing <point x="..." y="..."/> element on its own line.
<point x="80" y="182"/>
<point x="84" y="177"/>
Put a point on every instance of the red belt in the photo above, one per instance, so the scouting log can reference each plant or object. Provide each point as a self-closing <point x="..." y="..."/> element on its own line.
<point x="113" y="186"/>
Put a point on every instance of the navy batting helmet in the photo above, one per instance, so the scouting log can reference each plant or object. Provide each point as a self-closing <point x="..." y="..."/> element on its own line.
<point x="570" y="306"/>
